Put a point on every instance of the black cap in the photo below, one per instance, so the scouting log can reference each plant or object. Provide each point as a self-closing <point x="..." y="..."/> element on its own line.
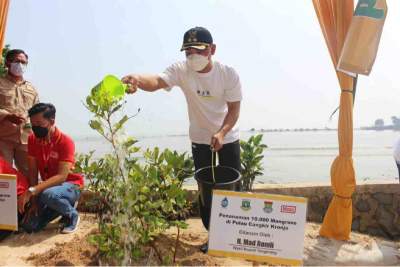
<point x="197" y="37"/>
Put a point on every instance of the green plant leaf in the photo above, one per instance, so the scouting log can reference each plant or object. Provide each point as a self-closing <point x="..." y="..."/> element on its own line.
<point x="96" y="125"/>
<point x="120" y="123"/>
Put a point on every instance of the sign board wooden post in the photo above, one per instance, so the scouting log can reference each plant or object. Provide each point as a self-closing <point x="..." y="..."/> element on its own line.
<point x="8" y="202"/>
<point x="258" y="227"/>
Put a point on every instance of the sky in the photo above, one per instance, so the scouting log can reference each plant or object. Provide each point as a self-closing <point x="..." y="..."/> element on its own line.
<point x="277" y="47"/>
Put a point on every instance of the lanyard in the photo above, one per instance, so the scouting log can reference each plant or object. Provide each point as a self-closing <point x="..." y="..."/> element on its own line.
<point x="47" y="148"/>
<point x="46" y="151"/>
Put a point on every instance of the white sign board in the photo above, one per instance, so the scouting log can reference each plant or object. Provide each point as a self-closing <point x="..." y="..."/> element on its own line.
<point x="8" y="202"/>
<point x="258" y="227"/>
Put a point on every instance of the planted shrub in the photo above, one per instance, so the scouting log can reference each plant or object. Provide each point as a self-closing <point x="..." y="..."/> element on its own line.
<point x="137" y="199"/>
<point x="251" y="156"/>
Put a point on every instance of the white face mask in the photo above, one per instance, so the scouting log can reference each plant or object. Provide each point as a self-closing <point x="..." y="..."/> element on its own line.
<point x="197" y="62"/>
<point x="17" y="69"/>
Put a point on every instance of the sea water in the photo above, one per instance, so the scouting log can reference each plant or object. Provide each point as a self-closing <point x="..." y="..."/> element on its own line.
<point x="292" y="156"/>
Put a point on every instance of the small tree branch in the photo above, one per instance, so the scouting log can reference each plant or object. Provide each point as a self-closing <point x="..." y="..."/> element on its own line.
<point x="110" y="128"/>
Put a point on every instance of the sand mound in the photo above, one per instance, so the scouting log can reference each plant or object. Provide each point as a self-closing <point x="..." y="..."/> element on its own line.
<point x="17" y="248"/>
<point x="76" y="252"/>
<point x="81" y="252"/>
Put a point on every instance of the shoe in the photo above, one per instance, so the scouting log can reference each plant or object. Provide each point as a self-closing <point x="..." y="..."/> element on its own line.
<point x="73" y="224"/>
<point x="64" y="220"/>
<point x="204" y="248"/>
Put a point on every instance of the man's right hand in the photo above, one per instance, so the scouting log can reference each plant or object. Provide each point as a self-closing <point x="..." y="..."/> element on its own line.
<point x="14" y="118"/>
<point x="23" y="200"/>
<point x="132" y="81"/>
<point x="33" y="211"/>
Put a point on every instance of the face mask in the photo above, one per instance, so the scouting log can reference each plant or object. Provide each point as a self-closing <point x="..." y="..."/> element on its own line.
<point x="17" y="69"/>
<point x="40" y="132"/>
<point x="197" y="62"/>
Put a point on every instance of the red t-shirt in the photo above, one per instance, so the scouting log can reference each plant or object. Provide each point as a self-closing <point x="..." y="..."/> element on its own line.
<point x="48" y="155"/>
<point x="22" y="181"/>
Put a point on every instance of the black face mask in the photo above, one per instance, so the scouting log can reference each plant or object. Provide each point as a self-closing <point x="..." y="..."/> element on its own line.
<point x="40" y="132"/>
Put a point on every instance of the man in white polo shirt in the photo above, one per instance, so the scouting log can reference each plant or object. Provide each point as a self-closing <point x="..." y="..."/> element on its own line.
<point x="213" y="94"/>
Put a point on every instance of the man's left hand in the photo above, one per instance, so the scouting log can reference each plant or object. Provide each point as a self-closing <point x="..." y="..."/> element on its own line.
<point x="217" y="141"/>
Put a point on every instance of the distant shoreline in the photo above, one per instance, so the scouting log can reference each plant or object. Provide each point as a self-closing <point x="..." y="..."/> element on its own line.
<point x="320" y="129"/>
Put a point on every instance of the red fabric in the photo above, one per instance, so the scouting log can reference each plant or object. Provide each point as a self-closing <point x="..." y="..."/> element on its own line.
<point x="48" y="155"/>
<point x="22" y="181"/>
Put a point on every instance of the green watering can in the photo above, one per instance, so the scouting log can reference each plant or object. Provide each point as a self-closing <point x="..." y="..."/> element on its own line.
<point x="110" y="86"/>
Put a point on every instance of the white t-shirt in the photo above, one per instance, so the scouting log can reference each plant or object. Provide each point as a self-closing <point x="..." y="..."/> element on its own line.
<point x="207" y="95"/>
<point x="396" y="151"/>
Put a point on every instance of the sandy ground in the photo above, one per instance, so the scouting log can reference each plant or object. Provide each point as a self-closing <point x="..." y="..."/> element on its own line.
<point x="17" y="248"/>
<point x="51" y="248"/>
<point x="360" y="250"/>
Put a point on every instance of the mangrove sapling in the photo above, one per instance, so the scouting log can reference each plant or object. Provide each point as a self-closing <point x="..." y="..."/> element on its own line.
<point x="251" y="156"/>
<point x="139" y="200"/>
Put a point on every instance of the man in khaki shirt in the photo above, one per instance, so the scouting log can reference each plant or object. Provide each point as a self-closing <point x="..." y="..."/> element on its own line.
<point x="17" y="96"/>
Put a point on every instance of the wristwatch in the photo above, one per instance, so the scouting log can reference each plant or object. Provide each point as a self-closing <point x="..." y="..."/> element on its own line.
<point x="32" y="190"/>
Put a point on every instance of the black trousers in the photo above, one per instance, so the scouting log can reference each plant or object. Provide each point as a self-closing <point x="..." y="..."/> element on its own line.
<point x="228" y="155"/>
<point x="398" y="168"/>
